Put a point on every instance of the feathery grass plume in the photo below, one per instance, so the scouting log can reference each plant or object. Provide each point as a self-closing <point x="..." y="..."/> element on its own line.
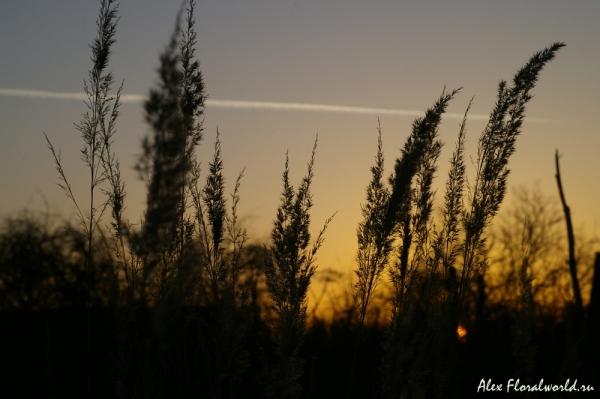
<point x="422" y="204"/>
<point x="408" y="215"/>
<point x="215" y="226"/>
<point x="191" y="103"/>
<point x="496" y="145"/>
<point x="221" y="243"/>
<point x="289" y="267"/>
<point x="120" y="225"/>
<point x="174" y="110"/>
<point x="421" y="308"/>
<point x="127" y="263"/>
<point x="441" y="295"/>
<point x="161" y="270"/>
<point x="445" y="245"/>
<point x="164" y="278"/>
<point x="165" y="170"/>
<point x="420" y="148"/>
<point x="416" y="151"/>
<point x="439" y="287"/>
<point x="374" y="246"/>
<point x="192" y="84"/>
<point x="96" y="127"/>
<point x="422" y="321"/>
<point x="443" y="249"/>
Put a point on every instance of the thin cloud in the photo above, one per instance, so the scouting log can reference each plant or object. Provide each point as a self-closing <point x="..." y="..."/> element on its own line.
<point x="234" y="104"/>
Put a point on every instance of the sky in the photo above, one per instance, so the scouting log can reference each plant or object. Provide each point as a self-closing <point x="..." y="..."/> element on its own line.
<point x="278" y="73"/>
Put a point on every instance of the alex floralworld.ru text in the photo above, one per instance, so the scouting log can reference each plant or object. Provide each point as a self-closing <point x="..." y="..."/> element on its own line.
<point x="515" y="386"/>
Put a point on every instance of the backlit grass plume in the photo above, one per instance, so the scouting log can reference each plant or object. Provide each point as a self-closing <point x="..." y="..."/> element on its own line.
<point x="290" y="265"/>
<point x="429" y="317"/>
<point x="97" y="127"/>
<point x="185" y="309"/>
<point x="496" y="146"/>
<point x="407" y="221"/>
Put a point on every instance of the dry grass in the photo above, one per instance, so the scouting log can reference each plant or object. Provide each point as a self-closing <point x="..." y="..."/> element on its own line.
<point x="184" y="289"/>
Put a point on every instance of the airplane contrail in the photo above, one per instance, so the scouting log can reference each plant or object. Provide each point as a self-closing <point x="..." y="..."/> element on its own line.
<point x="267" y="105"/>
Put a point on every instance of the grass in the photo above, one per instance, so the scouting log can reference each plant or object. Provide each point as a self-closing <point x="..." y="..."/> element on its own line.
<point x="182" y="291"/>
<point x="289" y="268"/>
<point x="429" y="300"/>
<point x="97" y="128"/>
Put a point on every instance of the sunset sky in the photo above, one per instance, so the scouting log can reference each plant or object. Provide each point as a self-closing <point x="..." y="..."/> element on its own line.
<point x="326" y="67"/>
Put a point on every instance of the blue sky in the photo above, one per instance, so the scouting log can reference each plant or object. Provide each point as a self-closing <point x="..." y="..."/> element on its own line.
<point x="382" y="55"/>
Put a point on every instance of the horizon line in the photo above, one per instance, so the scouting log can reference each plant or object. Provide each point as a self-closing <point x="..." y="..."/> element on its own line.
<point x="238" y="104"/>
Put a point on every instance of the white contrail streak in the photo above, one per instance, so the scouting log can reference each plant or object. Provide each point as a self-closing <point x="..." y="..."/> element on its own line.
<point x="276" y="106"/>
<point x="53" y="95"/>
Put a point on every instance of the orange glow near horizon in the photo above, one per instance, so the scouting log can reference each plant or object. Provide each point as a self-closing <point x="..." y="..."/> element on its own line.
<point x="462" y="333"/>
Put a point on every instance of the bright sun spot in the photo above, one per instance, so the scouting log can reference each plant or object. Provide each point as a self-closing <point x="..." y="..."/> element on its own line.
<point x="462" y="333"/>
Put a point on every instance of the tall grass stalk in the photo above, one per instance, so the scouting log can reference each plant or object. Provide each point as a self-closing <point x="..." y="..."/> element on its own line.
<point x="428" y="302"/>
<point x="97" y="128"/>
<point x="447" y="239"/>
<point x="374" y="247"/>
<point x="220" y="265"/>
<point x="496" y="146"/>
<point x="165" y="169"/>
<point x="191" y="104"/>
<point x="159" y="276"/>
<point x="289" y="267"/>
<point x="183" y="257"/>
<point x="420" y="147"/>
<point x="147" y="325"/>
<point x="408" y="216"/>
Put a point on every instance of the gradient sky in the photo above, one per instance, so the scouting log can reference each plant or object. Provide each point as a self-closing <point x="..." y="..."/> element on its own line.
<point x="375" y="56"/>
